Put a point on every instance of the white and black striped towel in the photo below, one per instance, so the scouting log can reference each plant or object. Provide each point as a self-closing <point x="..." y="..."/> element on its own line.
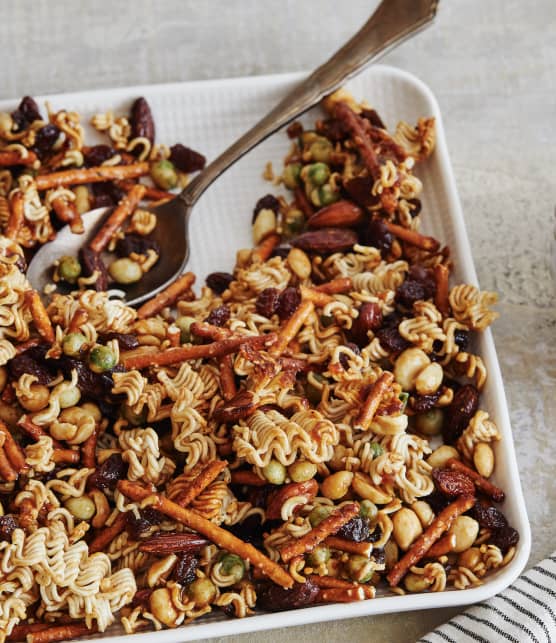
<point x="523" y="613"/>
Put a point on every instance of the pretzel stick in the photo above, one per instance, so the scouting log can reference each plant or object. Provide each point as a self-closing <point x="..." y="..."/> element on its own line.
<point x="167" y="297"/>
<point x="13" y="451"/>
<point x="491" y="490"/>
<point x="421" y="546"/>
<point x="341" y="595"/>
<point x="224" y="539"/>
<point x="413" y="237"/>
<point x="329" y="526"/>
<point x="66" y="456"/>
<point x="263" y="251"/>
<point x="208" y="474"/>
<point x="30" y="343"/>
<point x="227" y="377"/>
<point x="292" y="327"/>
<point x="80" y="317"/>
<point x="369" y="408"/>
<point x="209" y="331"/>
<point x="335" y="286"/>
<point x="13" y="157"/>
<point x="318" y="298"/>
<point x="7" y="472"/>
<point x="331" y="582"/>
<point x="107" y="535"/>
<point x="123" y="211"/>
<point x="19" y="632"/>
<point x="249" y="478"/>
<point x="442" y="546"/>
<point x="183" y="353"/>
<point x="343" y="544"/>
<point x="441" y="274"/>
<point x="356" y="127"/>
<point x="60" y="633"/>
<point x="40" y="316"/>
<point x="35" y="431"/>
<point x="67" y="212"/>
<point x="90" y="175"/>
<point x="17" y="215"/>
<point x="153" y="194"/>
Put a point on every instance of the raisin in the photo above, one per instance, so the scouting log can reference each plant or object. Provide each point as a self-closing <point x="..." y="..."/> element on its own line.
<point x="45" y="138"/>
<point x="379" y="555"/>
<point x="219" y="316"/>
<point x="488" y="516"/>
<point x="376" y="234"/>
<point x="359" y="189"/>
<point x="344" y="357"/>
<point x="26" y="113"/>
<point x="97" y="386"/>
<point x="250" y="530"/>
<point x="141" y="121"/>
<point x="437" y="501"/>
<point x="369" y="318"/>
<point x="458" y="414"/>
<point x="92" y="262"/>
<point x="375" y="535"/>
<point x="505" y="537"/>
<point x="147" y="518"/>
<point x="423" y="403"/>
<point x="425" y="277"/>
<point x="109" y="472"/>
<point x="333" y="129"/>
<point x="275" y="598"/>
<point x="32" y="361"/>
<point x="136" y="243"/>
<point x="141" y="598"/>
<point x="453" y="483"/>
<point x="372" y="116"/>
<point x="185" y="568"/>
<point x="267" y="302"/>
<point x="357" y="529"/>
<point x="106" y="194"/>
<point x="461" y="338"/>
<point x="417" y="207"/>
<point x="409" y="292"/>
<point x="281" y="252"/>
<point x="97" y="155"/>
<point x="289" y="301"/>
<point x="229" y="609"/>
<point x="267" y="202"/>
<point x="294" y="129"/>
<point x="218" y="282"/>
<point x="126" y="341"/>
<point x="326" y="240"/>
<point x="186" y="159"/>
<point x="8" y="524"/>
<point x="391" y="340"/>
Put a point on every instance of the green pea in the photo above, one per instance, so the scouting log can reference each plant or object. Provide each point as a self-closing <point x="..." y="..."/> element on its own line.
<point x="318" y="514"/>
<point x="368" y="510"/>
<point x="232" y="565"/>
<point x="202" y="591"/>
<point x="403" y="397"/>
<point x="321" y="150"/>
<point x="69" y="269"/>
<point x="319" y="556"/>
<point x="359" y="568"/>
<point x="376" y="448"/>
<point x="324" y="195"/>
<point x="73" y="344"/>
<point x="290" y="175"/>
<point x="430" y="422"/>
<point x="316" y="174"/>
<point x="125" y="271"/>
<point x="184" y="324"/>
<point x="101" y="359"/>
<point x="275" y="472"/>
<point x="164" y="174"/>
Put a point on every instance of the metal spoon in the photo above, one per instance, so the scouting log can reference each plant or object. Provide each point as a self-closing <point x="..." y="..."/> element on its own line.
<point x="393" y="22"/>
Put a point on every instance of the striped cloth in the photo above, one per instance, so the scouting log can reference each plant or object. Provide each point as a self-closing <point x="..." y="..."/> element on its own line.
<point x="523" y="613"/>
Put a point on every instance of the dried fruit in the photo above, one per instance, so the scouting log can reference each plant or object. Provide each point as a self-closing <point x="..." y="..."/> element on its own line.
<point x="391" y="340"/>
<point x="326" y="240"/>
<point x="97" y="155"/>
<point x="342" y="214"/>
<point x="8" y="524"/>
<point x="369" y="318"/>
<point x="147" y="518"/>
<point x="376" y="234"/>
<point x="109" y="472"/>
<point x="136" y="243"/>
<point x="32" y="361"/>
<point x="275" y="598"/>
<point x="288" y="303"/>
<point x="488" y="516"/>
<point x="357" y="529"/>
<point x="239" y="407"/>
<point x="186" y="159"/>
<point x="505" y="537"/>
<point x="453" y="483"/>
<point x="219" y="316"/>
<point x="459" y="413"/>
<point x="26" y="113"/>
<point x="184" y="571"/>
<point x="106" y="194"/>
<point x="409" y="292"/>
<point x="423" y="403"/>
<point x="126" y="341"/>
<point x="359" y="189"/>
<point x="294" y="129"/>
<point x="97" y="386"/>
<point x="267" y="302"/>
<point x="92" y="262"/>
<point x="461" y="338"/>
<point x="45" y="138"/>
<point x="218" y="282"/>
<point x="141" y="120"/>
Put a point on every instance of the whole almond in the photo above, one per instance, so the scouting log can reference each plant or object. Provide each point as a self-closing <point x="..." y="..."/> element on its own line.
<point x="299" y="263"/>
<point x="326" y="240"/>
<point x="141" y="120"/>
<point x="342" y="214"/>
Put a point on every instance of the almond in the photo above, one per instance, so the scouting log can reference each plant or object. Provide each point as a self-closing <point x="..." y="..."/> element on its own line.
<point x="342" y="214"/>
<point x="325" y="240"/>
<point x="170" y="543"/>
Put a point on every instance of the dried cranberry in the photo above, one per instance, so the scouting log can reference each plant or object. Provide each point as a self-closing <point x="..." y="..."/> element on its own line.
<point x="218" y="282"/>
<point x="45" y="138"/>
<point x="458" y="414"/>
<point x="409" y="292"/>
<point x="359" y="189"/>
<point x="275" y="598"/>
<point x="184" y="571"/>
<point x="186" y="159"/>
<point x="289" y="301"/>
<point x="376" y="234"/>
<point x="369" y="318"/>
<point x="357" y="529"/>
<point x="92" y="262"/>
<point x="505" y="537"/>
<point x="294" y="129"/>
<point x="488" y="516"/>
<point x="372" y="116"/>
<point x="32" y="361"/>
<point x="267" y="302"/>
<point x="126" y="341"/>
<point x="461" y="338"/>
<point x="97" y="155"/>
<point x="136" y="243"/>
<point x="453" y="483"/>
<point x="8" y="524"/>
<point x="267" y="202"/>
<point x="391" y="340"/>
<point x="110" y="471"/>
<point x="219" y="316"/>
<point x="106" y="193"/>
<point x="26" y="113"/>
<point x="423" y="403"/>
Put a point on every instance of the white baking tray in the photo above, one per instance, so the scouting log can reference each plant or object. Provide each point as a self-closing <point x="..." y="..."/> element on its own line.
<point x="209" y="115"/>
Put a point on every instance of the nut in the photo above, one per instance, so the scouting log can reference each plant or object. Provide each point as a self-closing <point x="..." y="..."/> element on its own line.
<point x="162" y="607"/>
<point x="302" y="471"/>
<point x="429" y="422"/>
<point x="299" y="263"/>
<point x="82" y="508"/>
<point x="326" y="240"/>
<point x="167" y="543"/>
<point x="141" y="120"/>
<point x="408" y="366"/>
<point x="429" y="379"/>
<point x="483" y="459"/>
<point x="342" y="214"/>
<point x="391" y="554"/>
<point x="336" y="486"/>
<point x="363" y="487"/>
<point x="439" y="457"/>
<point x="160" y="570"/>
<point x="424" y="512"/>
<point x="264" y="225"/>
<point x="465" y="530"/>
<point x="407" y="527"/>
<point x="470" y="558"/>
<point x="416" y="582"/>
<point x="82" y="199"/>
<point x="40" y="394"/>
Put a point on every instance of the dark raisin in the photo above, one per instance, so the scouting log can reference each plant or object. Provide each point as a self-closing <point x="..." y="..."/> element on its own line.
<point x="147" y="518"/>
<point x="92" y="262"/>
<point x="267" y="202"/>
<point x="459" y="412"/>
<point x="379" y="555"/>
<point x="375" y="535"/>
<point x="437" y="501"/>
<point x="26" y="113"/>
<point x="372" y="116"/>
<point x="97" y="155"/>
<point x="461" y="338"/>
<point x="275" y="598"/>
<point x="359" y="189"/>
<point x="267" y="302"/>
<point x="369" y="318"/>
<point x="333" y="129"/>
<point x="141" y="120"/>
<point x="8" y="524"/>
<point x="281" y="252"/>
<point x="136" y="243"/>
<point x="409" y="292"/>
<point x="250" y="530"/>
<point x="126" y="341"/>
<point x="228" y="609"/>
<point x="344" y="357"/>
<point x="289" y="301"/>
<point x="294" y="129"/>
<point x="376" y="234"/>
<point x="219" y="316"/>
<point x="45" y="138"/>
<point x="186" y="159"/>
<point x="417" y="206"/>
<point x="505" y="537"/>
<point x="391" y="340"/>
<point x="109" y="472"/>
<point x="185" y="568"/>
<point x="141" y="598"/>
<point x="425" y="277"/>
<point x="423" y="403"/>
<point x="106" y="193"/>
<point x="218" y="282"/>
<point x="392" y="320"/>
<point x="488" y="516"/>
<point x="97" y="386"/>
<point x="32" y="361"/>
<point x="357" y="529"/>
<point x="453" y="483"/>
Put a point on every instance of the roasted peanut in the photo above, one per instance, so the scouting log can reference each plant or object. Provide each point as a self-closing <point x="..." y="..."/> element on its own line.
<point x="336" y="485"/>
<point x="407" y="527"/>
<point x="465" y="530"/>
<point x="470" y="558"/>
<point x="82" y="508"/>
<point x="416" y="582"/>
<point x="363" y="487"/>
<point x="162" y="607"/>
<point x="483" y="459"/>
<point x="424" y="512"/>
<point x="429" y="379"/>
<point x="160" y="570"/>
<point x="408" y="366"/>
<point x="440" y="456"/>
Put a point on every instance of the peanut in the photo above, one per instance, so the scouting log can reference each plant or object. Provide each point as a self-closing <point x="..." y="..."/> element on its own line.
<point x="416" y="582"/>
<point x="439" y="457"/>
<point x="483" y="459"/>
<point x="407" y="527"/>
<point x="465" y="530"/>
<point x="429" y="379"/>
<point x="424" y="512"/>
<point x="408" y="366"/>
<point x="363" y="487"/>
<point x="162" y="607"/>
<point x="302" y="471"/>
<point x="336" y="485"/>
<point x="299" y="263"/>
<point x="160" y="570"/>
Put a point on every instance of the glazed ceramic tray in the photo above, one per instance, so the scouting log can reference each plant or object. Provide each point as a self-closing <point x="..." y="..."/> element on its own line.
<point x="208" y="116"/>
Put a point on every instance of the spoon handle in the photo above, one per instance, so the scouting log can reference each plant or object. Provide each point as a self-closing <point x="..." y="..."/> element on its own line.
<point x="393" y="22"/>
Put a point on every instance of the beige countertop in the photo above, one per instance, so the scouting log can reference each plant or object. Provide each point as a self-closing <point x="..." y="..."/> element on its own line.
<point x="491" y="64"/>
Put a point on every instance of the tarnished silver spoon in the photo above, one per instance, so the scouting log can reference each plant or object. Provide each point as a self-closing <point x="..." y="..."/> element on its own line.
<point x="393" y="22"/>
